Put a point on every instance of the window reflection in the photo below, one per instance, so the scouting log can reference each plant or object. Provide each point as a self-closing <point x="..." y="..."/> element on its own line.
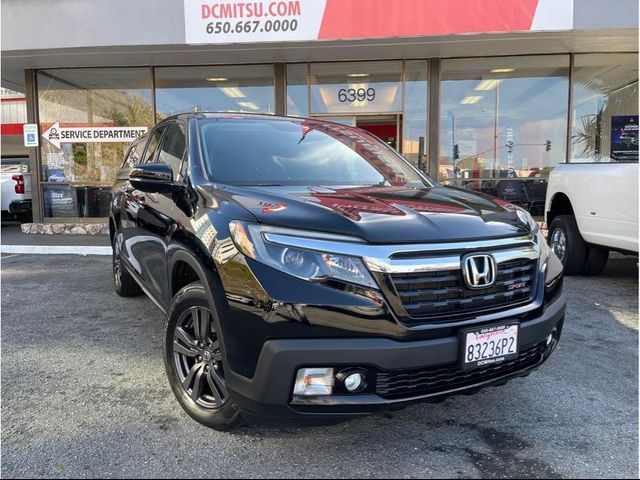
<point x="299" y="152"/>
<point x="297" y="90"/>
<point x="504" y="121"/>
<point x="78" y="176"/>
<point x="415" y="113"/>
<point x="248" y="89"/>
<point x="605" y="108"/>
<point x="368" y="95"/>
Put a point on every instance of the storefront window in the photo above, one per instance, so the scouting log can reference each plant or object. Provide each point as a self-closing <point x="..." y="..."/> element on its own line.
<point x="367" y="95"/>
<point x="248" y="89"/>
<point x="605" y="108"/>
<point x="415" y="111"/>
<point x="89" y="117"/>
<point x="356" y="87"/>
<point x="297" y="90"/>
<point x="503" y="124"/>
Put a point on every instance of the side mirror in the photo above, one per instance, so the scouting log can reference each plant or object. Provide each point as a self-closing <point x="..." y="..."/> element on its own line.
<point x="153" y="178"/>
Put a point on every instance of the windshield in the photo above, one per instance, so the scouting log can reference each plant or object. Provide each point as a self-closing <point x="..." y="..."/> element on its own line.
<point x="258" y="151"/>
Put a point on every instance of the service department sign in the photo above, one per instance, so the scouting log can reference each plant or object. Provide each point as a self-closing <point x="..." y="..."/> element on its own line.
<point x="57" y="135"/>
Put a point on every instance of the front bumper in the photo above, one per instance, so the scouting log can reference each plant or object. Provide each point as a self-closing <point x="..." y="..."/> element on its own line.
<point x="269" y="393"/>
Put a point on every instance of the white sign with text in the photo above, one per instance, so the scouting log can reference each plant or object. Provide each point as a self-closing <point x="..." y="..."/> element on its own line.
<point x="30" y="133"/>
<point x="229" y="21"/>
<point x="57" y="135"/>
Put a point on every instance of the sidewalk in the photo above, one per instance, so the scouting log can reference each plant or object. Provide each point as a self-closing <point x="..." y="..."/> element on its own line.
<point x="12" y="240"/>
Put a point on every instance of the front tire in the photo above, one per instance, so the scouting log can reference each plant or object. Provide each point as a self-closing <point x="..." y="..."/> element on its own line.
<point x="567" y="243"/>
<point x="194" y="360"/>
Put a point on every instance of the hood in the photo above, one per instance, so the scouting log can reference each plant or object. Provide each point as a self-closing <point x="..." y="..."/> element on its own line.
<point x="381" y="214"/>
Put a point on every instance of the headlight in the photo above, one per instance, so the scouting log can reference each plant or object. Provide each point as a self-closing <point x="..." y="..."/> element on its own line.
<point x="526" y="218"/>
<point x="309" y="265"/>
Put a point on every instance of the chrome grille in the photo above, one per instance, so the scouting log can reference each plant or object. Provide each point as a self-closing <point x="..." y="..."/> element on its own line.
<point x="443" y="292"/>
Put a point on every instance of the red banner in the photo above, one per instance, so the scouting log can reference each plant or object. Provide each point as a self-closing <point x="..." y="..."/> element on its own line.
<point x="406" y="18"/>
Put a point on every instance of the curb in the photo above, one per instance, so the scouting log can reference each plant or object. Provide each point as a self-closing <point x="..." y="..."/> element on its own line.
<point x="55" y="250"/>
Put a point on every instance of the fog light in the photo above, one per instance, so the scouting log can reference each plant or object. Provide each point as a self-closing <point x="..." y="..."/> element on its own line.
<point x="314" y="381"/>
<point x="353" y="381"/>
<point x="549" y="339"/>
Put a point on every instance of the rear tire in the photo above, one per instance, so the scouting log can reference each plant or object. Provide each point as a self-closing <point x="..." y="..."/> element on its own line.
<point x="596" y="261"/>
<point x="567" y="243"/>
<point x="194" y="360"/>
<point x="123" y="282"/>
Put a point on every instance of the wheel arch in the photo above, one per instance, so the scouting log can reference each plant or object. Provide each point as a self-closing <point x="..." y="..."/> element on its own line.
<point x="186" y="268"/>
<point x="560" y="205"/>
<point x="186" y="264"/>
<point x="208" y="277"/>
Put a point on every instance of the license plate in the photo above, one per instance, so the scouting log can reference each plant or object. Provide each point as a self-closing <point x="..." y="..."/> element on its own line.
<point x="489" y="345"/>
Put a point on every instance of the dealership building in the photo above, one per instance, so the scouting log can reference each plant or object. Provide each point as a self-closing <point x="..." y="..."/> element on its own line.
<point x="484" y="94"/>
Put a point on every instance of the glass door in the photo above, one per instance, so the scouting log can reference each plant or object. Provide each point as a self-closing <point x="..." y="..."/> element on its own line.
<point x="386" y="127"/>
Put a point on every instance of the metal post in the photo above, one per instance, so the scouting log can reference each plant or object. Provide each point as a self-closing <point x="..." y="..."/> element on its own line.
<point x="153" y="95"/>
<point x="570" y="109"/>
<point x="433" y="117"/>
<point x="31" y="93"/>
<point x="280" y="85"/>
<point x="495" y="131"/>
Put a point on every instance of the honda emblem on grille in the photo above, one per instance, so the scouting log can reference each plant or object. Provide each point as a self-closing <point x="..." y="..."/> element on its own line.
<point x="479" y="270"/>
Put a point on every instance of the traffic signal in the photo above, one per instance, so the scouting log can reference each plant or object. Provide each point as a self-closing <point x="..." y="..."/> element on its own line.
<point x="456" y="151"/>
<point x="547" y="145"/>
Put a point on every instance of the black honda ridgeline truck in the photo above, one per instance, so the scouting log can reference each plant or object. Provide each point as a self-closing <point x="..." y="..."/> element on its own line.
<point x="308" y="271"/>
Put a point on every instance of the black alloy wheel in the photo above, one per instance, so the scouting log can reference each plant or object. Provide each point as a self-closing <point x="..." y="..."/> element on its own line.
<point x="198" y="358"/>
<point x="194" y="357"/>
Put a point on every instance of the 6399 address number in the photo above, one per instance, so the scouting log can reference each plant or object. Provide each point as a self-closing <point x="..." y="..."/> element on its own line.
<point x="350" y="95"/>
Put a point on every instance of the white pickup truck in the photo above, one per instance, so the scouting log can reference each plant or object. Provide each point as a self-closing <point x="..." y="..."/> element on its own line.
<point x="15" y="188"/>
<point x="592" y="208"/>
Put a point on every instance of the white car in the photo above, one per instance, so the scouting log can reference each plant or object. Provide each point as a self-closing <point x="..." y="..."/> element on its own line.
<point x="15" y="188"/>
<point x="591" y="209"/>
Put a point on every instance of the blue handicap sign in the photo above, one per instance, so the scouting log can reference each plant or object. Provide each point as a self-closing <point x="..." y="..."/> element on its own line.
<point x="31" y="137"/>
